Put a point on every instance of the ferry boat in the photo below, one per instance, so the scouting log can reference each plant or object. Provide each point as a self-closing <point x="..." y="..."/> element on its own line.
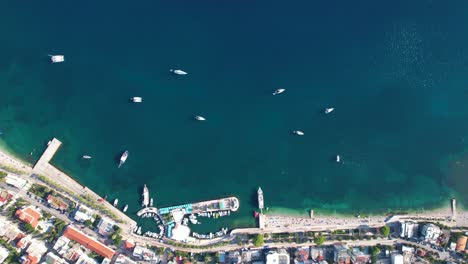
<point x="200" y="118"/>
<point x="278" y="91"/>
<point x="329" y="110"/>
<point x="57" y="58"/>
<point x="299" y="133"/>
<point x="136" y="99"/>
<point x="86" y="157"/>
<point x="125" y="208"/>
<point x="179" y="72"/>
<point x="123" y="158"/>
<point x="145" y="196"/>
<point x="116" y="201"/>
<point x="260" y="198"/>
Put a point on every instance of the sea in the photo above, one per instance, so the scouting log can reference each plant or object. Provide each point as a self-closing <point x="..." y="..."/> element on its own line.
<point x="396" y="73"/>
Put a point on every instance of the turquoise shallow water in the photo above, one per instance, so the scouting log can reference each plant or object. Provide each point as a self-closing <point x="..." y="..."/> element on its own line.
<point x="395" y="72"/>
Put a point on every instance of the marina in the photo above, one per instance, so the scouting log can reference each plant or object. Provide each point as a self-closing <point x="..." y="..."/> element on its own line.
<point x="173" y="221"/>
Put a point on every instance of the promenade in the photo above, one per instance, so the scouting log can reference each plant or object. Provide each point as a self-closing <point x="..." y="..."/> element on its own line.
<point x="44" y="168"/>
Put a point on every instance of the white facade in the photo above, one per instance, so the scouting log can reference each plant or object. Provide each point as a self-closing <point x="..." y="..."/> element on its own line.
<point x="15" y="181"/>
<point x="3" y="254"/>
<point x="397" y="259"/>
<point x="83" y="214"/>
<point x="430" y="232"/>
<point x="408" y="229"/>
<point x="274" y="257"/>
<point x="105" y="226"/>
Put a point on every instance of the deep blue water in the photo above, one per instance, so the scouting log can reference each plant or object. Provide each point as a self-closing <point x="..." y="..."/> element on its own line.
<point x="395" y="71"/>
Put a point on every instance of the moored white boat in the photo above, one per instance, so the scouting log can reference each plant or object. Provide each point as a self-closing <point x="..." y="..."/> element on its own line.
<point x="123" y="158"/>
<point x="329" y="110"/>
<point x="200" y="118"/>
<point x="125" y="208"/>
<point x="116" y="201"/>
<point x="86" y="157"/>
<point x="151" y="202"/>
<point x="57" y="58"/>
<point x="298" y="132"/>
<point x="145" y="196"/>
<point x="179" y="72"/>
<point x="278" y="91"/>
<point x="136" y="99"/>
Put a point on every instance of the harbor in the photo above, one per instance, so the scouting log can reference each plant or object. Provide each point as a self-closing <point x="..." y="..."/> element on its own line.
<point x="173" y="221"/>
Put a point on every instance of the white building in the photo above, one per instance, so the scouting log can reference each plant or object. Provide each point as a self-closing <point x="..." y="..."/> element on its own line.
<point x="408" y="229"/>
<point x="84" y="213"/>
<point x="397" y="259"/>
<point x="62" y="245"/>
<point x="430" y="232"/>
<point x="3" y="254"/>
<point x="145" y="254"/>
<point x="281" y="257"/>
<point x="122" y="259"/>
<point x="105" y="226"/>
<point x="37" y="248"/>
<point x="15" y="181"/>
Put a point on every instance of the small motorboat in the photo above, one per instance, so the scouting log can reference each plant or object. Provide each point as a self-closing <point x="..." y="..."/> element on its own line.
<point x="57" y="58"/>
<point x="125" y="208"/>
<point x="338" y="158"/>
<point x="200" y="118"/>
<point x="329" y="110"/>
<point x="255" y="214"/>
<point x="86" y="157"/>
<point x="299" y="133"/>
<point x="151" y="202"/>
<point x="278" y="91"/>
<point x="123" y="158"/>
<point x="179" y="72"/>
<point x="136" y="99"/>
<point x="116" y="201"/>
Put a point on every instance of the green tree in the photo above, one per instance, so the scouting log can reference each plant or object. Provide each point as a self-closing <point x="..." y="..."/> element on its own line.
<point x="88" y="223"/>
<point x="385" y="230"/>
<point x="28" y="228"/>
<point x="258" y="240"/>
<point x="117" y="240"/>
<point x="318" y="240"/>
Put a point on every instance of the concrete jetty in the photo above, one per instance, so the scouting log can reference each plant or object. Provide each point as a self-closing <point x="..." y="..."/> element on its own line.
<point x="44" y="168"/>
<point x="146" y="210"/>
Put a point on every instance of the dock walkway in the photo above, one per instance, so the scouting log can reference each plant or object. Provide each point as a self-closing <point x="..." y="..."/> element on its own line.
<point x="44" y="168"/>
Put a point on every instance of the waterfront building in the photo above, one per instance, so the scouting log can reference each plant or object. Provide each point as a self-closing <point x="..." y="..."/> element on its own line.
<point x="14" y="181"/>
<point x="316" y="253"/>
<point x="3" y="254"/>
<point x="5" y="196"/>
<point x="358" y="257"/>
<point x="105" y="226"/>
<point x="461" y="243"/>
<point x="29" y="215"/>
<point x="408" y="229"/>
<point x="88" y="242"/>
<point x="51" y="258"/>
<point x="144" y="253"/>
<point x="301" y="255"/>
<point x="397" y="259"/>
<point x="280" y="257"/>
<point x="430" y="232"/>
<point x="180" y="232"/>
<point x="84" y="213"/>
<point x="341" y="254"/>
<point x="56" y="202"/>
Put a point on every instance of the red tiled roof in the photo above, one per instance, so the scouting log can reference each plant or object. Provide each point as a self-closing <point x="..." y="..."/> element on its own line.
<point x="89" y="242"/>
<point x="29" y="215"/>
<point x="30" y="260"/>
<point x="128" y="244"/>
